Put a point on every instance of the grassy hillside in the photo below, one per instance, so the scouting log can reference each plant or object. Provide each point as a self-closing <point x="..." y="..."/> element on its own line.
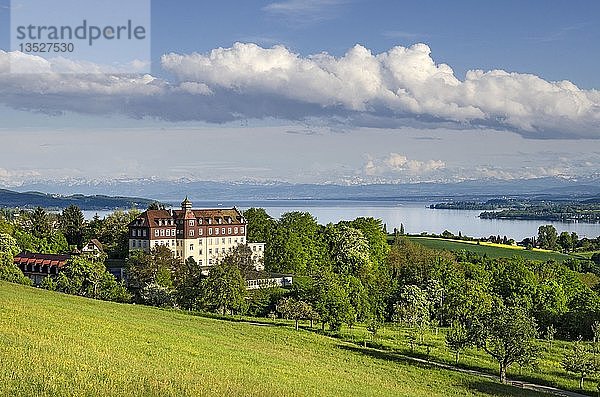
<point x="489" y="249"/>
<point x="59" y="345"/>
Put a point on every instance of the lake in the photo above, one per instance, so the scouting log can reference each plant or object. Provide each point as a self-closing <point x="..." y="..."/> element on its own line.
<point x="416" y="217"/>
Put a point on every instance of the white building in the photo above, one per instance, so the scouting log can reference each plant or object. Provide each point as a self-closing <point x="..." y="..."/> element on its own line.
<point x="203" y="234"/>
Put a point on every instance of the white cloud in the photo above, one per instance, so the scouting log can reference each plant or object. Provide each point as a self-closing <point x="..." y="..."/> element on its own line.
<point x="396" y="164"/>
<point x="403" y="86"/>
<point x="304" y="11"/>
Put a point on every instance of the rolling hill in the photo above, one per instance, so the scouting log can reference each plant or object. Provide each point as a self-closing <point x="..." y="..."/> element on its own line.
<point x="59" y="345"/>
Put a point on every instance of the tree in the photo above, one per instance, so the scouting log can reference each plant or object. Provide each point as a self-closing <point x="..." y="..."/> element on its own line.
<point x="72" y="225"/>
<point x="349" y="251"/>
<point x="156" y="267"/>
<point x="187" y="280"/>
<point x="412" y="309"/>
<point x="297" y="310"/>
<point x="295" y="245"/>
<point x="8" y="244"/>
<point x="225" y="288"/>
<point x="10" y="272"/>
<point x="457" y="340"/>
<point x="547" y="237"/>
<point x="331" y="301"/>
<point x="580" y="361"/>
<point x="374" y="231"/>
<point x="156" y="205"/>
<point x="259" y="225"/>
<point x="507" y="335"/>
<point x="565" y="242"/>
<point x="40" y="225"/>
<point x="87" y="276"/>
<point x="114" y="233"/>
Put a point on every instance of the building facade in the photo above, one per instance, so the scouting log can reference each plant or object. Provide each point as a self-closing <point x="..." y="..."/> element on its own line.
<point x="39" y="266"/>
<point x="203" y="234"/>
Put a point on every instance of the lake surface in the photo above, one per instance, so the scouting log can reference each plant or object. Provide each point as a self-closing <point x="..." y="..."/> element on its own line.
<point x="416" y="217"/>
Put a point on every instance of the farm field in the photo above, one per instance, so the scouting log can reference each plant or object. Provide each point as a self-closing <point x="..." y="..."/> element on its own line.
<point x="59" y="345"/>
<point x="489" y="249"/>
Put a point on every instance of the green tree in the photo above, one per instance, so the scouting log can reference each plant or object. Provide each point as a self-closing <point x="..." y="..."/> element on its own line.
<point x="295" y="245"/>
<point x="547" y="237"/>
<point x="374" y="231"/>
<point x="457" y="340"/>
<point x="580" y="361"/>
<point x="349" y="251"/>
<point x="187" y="280"/>
<point x="296" y="310"/>
<point x="507" y="335"/>
<point x="72" y="225"/>
<point x="87" y="276"/>
<point x="565" y="242"/>
<point x="114" y="233"/>
<point x="8" y="244"/>
<point x="10" y="272"/>
<point x="259" y="225"/>
<point x="225" y="288"/>
<point x="331" y="301"/>
<point x="412" y="309"/>
<point x="40" y="225"/>
<point x="156" y="267"/>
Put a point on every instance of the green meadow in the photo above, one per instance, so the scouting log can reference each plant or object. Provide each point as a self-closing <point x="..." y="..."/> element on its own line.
<point x="59" y="345"/>
<point x="491" y="250"/>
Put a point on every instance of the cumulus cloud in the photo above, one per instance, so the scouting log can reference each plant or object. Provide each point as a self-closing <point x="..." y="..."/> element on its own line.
<point x="397" y="164"/>
<point x="399" y="87"/>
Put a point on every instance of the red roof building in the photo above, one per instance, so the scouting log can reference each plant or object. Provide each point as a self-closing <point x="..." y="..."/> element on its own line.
<point x="39" y="266"/>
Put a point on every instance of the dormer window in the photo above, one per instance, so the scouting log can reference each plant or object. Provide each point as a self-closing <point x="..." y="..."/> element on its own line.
<point x="191" y="222"/>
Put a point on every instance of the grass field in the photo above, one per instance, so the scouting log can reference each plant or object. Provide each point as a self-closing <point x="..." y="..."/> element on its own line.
<point x="489" y="249"/>
<point x="548" y="372"/>
<point x="59" y="345"/>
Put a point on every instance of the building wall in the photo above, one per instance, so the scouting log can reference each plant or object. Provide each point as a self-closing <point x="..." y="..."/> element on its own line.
<point x="199" y="234"/>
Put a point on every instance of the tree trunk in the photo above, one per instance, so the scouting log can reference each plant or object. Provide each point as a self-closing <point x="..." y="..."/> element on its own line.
<point x="502" y="373"/>
<point x="581" y="383"/>
<point x="457" y="357"/>
<point x="296" y="324"/>
<point x="311" y="322"/>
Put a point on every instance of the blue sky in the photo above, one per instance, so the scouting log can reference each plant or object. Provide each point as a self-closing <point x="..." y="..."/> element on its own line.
<point x="553" y="39"/>
<point x="408" y="91"/>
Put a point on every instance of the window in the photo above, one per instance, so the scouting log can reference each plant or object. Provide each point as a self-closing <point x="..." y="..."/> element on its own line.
<point x="229" y="240"/>
<point x="235" y="230"/>
<point x="223" y="230"/>
<point x="162" y="232"/>
<point x="210" y="251"/>
<point x="254" y="248"/>
<point x="191" y="247"/>
<point x="144" y="232"/>
<point x="229" y="230"/>
<point x="156" y="233"/>
<point x="235" y="241"/>
<point x="210" y="261"/>
<point x="200" y="232"/>
<point x="173" y="242"/>
<point x="200" y="262"/>
<point x="242" y="229"/>
<point x="192" y="233"/>
<point x="168" y="232"/>
<point x="200" y="251"/>
<point x="216" y="230"/>
<point x="173" y="232"/>
<point x="223" y="240"/>
<point x="191" y="222"/>
<point x="210" y="231"/>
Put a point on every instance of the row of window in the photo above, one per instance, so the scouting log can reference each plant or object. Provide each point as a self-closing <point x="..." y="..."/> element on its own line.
<point x="139" y="233"/>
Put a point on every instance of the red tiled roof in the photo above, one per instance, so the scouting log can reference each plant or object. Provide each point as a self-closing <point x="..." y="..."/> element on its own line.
<point x="29" y="258"/>
<point x="151" y="217"/>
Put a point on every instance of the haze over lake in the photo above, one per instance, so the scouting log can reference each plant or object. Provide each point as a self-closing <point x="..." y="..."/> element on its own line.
<point x="416" y="217"/>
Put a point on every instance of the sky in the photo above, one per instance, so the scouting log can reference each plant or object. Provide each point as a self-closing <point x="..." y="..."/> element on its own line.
<point x="328" y="91"/>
